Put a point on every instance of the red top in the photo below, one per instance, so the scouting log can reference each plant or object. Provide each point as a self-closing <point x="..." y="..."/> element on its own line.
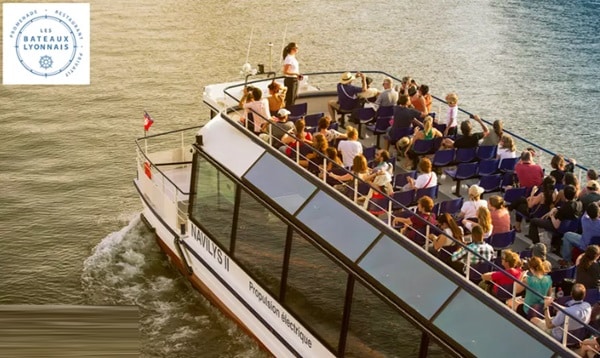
<point x="500" y="278"/>
<point x="529" y="174"/>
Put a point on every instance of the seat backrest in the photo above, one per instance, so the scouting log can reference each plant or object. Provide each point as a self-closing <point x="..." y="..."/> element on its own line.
<point x="503" y="240"/>
<point x="488" y="166"/>
<point x="568" y="225"/>
<point x="559" y="275"/>
<point x="400" y="178"/>
<point x="431" y="192"/>
<point x="508" y="164"/>
<point x="312" y="120"/>
<point x="386" y="112"/>
<point x="443" y="157"/>
<point x="369" y="152"/>
<point x="464" y="155"/>
<point x="513" y="194"/>
<point x="405" y="198"/>
<point x="466" y="170"/>
<point x="452" y="206"/>
<point x="366" y="113"/>
<point x="486" y="152"/>
<point x="490" y="182"/>
<point x="592" y="295"/>
<point x="397" y="133"/>
<point x="298" y="110"/>
<point x="422" y="146"/>
<point x="477" y="270"/>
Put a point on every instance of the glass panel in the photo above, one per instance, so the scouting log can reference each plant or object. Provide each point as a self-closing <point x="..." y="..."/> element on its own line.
<point x="213" y="202"/>
<point x="338" y="225"/>
<point x="260" y="243"/>
<point x="288" y="188"/>
<point x="377" y="330"/>
<point x="316" y="288"/>
<point x="484" y="332"/>
<point x="411" y="279"/>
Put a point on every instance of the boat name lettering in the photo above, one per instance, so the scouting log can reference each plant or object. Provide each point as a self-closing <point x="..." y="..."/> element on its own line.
<point x="212" y="248"/>
<point x="45" y="42"/>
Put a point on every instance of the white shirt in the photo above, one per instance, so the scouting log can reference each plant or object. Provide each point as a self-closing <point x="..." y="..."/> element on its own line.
<point x="469" y="208"/>
<point x="262" y="107"/>
<point x="451" y="121"/>
<point x="294" y="65"/>
<point x="422" y="180"/>
<point x="349" y="149"/>
<point x="505" y="153"/>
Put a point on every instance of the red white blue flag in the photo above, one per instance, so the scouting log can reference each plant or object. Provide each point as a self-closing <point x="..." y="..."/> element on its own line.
<point x="147" y="121"/>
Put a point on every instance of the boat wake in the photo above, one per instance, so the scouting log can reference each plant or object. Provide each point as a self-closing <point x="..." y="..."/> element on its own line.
<point x="128" y="268"/>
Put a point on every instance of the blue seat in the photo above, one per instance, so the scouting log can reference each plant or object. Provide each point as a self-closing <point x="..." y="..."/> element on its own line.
<point x="465" y="155"/>
<point x="397" y="133"/>
<point x="422" y="146"/>
<point x="440" y="127"/>
<point x="382" y="123"/>
<point x="369" y="153"/>
<point x="488" y="166"/>
<point x="513" y="194"/>
<point x="362" y="190"/>
<point x="431" y="192"/>
<point x="477" y="270"/>
<point x="400" y="179"/>
<point x="463" y="171"/>
<point x="297" y="111"/>
<point x="364" y="115"/>
<point x="451" y="206"/>
<point x="559" y="275"/>
<point x="487" y="152"/>
<point x="490" y="183"/>
<point x="404" y="198"/>
<point x="312" y="120"/>
<point x="508" y="164"/>
<point x="508" y="178"/>
<point x="502" y="241"/>
<point x="568" y="225"/>
<point x="443" y="158"/>
<point x="592" y="295"/>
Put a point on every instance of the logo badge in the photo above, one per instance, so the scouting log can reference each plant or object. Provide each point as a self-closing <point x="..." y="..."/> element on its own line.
<point x="46" y="44"/>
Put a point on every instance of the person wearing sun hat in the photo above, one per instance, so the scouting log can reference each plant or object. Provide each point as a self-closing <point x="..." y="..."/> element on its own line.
<point x="347" y="94"/>
<point x="470" y="207"/>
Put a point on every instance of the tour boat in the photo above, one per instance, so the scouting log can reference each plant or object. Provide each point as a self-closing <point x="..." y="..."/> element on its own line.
<point x="301" y="266"/>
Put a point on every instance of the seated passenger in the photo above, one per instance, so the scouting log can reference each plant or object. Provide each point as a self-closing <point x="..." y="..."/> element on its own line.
<point x="259" y="108"/>
<point x="528" y="173"/>
<point x="428" y="133"/>
<point x="381" y="174"/>
<point x="539" y="201"/>
<point x="590" y="224"/>
<point x="424" y="207"/>
<point x="330" y="134"/>
<point x="276" y="97"/>
<point x="494" y="136"/>
<point x="539" y="281"/>
<point x="404" y="117"/>
<point x="560" y="167"/>
<point x="350" y="148"/>
<point x="499" y="214"/>
<point x="359" y="169"/>
<point x="290" y="142"/>
<point x="451" y="230"/>
<point x="588" y="269"/>
<point x="470" y="206"/>
<point x="283" y="126"/>
<point x="576" y="307"/>
<point x="589" y="176"/>
<point x="388" y="97"/>
<point x="483" y="219"/>
<point x="468" y="139"/>
<point x="592" y="193"/>
<point x="511" y="263"/>
<point x="506" y="148"/>
<point x="370" y="94"/>
<point x="484" y="250"/>
<point x="426" y="179"/>
<point x="319" y="145"/>
<point x="417" y="101"/>
<point x="348" y="99"/>
<point x="332" y="158"/>
<point x="424" y="91"/>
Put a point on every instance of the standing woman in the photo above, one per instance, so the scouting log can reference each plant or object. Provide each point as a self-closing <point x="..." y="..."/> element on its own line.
<point x="291" y="71"/>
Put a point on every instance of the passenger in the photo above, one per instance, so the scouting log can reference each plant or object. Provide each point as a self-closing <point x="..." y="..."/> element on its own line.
<point x="588" y="268"/>
<point x="347" y="94"/>
<point x="304" y="137"/>
<point x="276" y="97"/>
<point x="511" y="263"/>
<point x="282" y="127"/>
<point x="404" y="117"/>
<point x="452" y="116"/>
<point x="381" y="174"/>
<point x="469" y="207"/>
<point x="246" y="95"/>
<point x="483" y="219"/>
<point x="590" y="225"/>
<point x="576" y="307"/>
<point x="291" y="71"/>
<point x="589" y="347"/>
<point x="332" y="157"/>
<point x="494" y="136"/>
<point x="426" y="179"/>
<point x="538" y="280"/>
<point x="259" y="108"/>
<point x="451" y="230"/>
<point x="537" y="202"/>
<point x="424" y="207"/>
<point x="428" y="133"/>
<point x="590" y="175"/>
<point x="330" y="134"/>
<point x="540" y="251"/>
<point x="370" y="94"/>
<point x="468" y="139"/>
<point x="592" y="193"/>
<point x="568" y="179"/>
<point x="404" y="85"/>
<point x="350" y="148"/>
<point x="500" y="214"/>
<point x="506" y="148"/>
<point x="560" y="167"/>
<point x="417" y="101"/>
<point x="320" y="145"/>
<point x="528" y="173"/>
<point x="359" y="169"/>
<point x="388" y="97"/>
<point x="424" y="91"/>
<point x="402" y="148"/>
<point x="570" y="210"/>
<point x="484" y="250"/>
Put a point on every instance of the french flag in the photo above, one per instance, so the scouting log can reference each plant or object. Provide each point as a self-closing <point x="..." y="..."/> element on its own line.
<point x="147" y="121"/>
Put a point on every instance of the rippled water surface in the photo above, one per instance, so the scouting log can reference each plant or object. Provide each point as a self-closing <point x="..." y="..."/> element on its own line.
<point x="69" y="226"/>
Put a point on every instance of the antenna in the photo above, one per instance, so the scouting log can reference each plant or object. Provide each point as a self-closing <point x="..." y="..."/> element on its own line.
<point x="247" y="67"/>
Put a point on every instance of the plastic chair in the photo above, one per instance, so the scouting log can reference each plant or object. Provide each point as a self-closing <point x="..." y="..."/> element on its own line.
<point x="404" y="198"/>
<point x="312" y="120"/>
<point x="297" y="111"/>
<point x="431" y="192"/>
<point x="490" y="183"/>
<point x="443" y="158"/>
<point x="508" y="164"/>
<point x="380" y="127"/>
<point x="465" y="155"/>
<point x="364" y="115"/>
<point x="486" y="152"/>
<point x="369" y="153"/>
<point x="559" y="275"/>
<point x="592" y="295"/>
<point x="568" y="225"/>
<point x="422" y="146"/>
<point x="452" y="206"/>
<point x="475" y="271"/>
<point x="502" y="241"/>
<point x="513" y="194"/>
<point x="463" y="171"/>
<point x="400" y="179"/>
<point x="488" y="166"/>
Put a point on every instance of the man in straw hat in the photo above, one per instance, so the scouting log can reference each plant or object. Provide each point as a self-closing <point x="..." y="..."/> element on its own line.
<point x="348" y="98"/>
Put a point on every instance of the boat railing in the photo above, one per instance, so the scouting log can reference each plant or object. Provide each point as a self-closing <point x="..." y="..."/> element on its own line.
<point x="158" y="162"/>
<point x="387" y="211"/>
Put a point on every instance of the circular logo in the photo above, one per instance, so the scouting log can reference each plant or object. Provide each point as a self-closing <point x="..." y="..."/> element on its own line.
<point x="46" y="45"/>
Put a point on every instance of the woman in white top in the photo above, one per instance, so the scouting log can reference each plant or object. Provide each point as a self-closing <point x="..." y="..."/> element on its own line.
<point x="259" y="108"/>
<point x="484" y="219"/>
<point x="426" y="179"/>
<point x="291" y="71"/>
<point x="469" y="207"/>
<point x="350" y="148"/>
<point x="506" y="148"/>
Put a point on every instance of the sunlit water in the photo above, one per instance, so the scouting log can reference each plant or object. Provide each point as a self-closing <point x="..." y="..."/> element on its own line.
<point x="69" y="213"/>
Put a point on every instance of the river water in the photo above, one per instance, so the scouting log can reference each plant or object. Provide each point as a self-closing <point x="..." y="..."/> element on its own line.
<point x="69" y="215"/>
